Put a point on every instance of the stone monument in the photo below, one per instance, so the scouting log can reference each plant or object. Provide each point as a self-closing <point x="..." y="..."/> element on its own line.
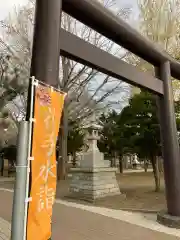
<point x="94" y="178"/>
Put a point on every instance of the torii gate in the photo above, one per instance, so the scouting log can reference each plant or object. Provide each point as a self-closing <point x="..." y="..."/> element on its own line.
<point x="50" y="40"/>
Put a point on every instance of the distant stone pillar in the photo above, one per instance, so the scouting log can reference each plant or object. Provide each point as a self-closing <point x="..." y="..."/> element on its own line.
<point x="126" y="159"/>
<point x="6" y="168"/>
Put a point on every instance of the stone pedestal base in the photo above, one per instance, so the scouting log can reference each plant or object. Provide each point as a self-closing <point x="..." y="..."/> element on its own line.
<point x="168" y="220"/>
<point x="92" y="184"/>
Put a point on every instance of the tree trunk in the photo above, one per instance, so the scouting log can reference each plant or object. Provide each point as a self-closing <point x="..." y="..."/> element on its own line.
<point x="61" y="166"/>
<point x="156" y="172"/>
<point x="2" y="164"/>
<point x="63" y="158"/>
<point x="121" y="164"/>
<point x="74" y="159"/>
<point x="131" y="161"/>
<point x="145" y="165"/>
<point x="160" y="162"/>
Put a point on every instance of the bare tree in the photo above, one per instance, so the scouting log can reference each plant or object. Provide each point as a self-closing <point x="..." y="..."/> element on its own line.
<point x="10" y="87"/>
<point x="8" y="129"/>
<point x="159" y="20"/>
<point x="88" y="90"/>
<point x="13" y="75"/>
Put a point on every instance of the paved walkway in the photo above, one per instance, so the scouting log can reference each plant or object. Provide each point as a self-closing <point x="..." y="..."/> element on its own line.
<point x="77" y="222"/>
<point x="5" y="229"/>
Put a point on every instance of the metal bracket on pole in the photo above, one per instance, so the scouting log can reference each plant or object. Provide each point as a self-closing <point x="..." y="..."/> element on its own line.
<point x="28" y="200"/>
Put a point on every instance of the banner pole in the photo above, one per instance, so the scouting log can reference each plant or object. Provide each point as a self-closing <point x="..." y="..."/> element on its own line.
<point x="17" y="229"/>
<point x="30" y="119"/>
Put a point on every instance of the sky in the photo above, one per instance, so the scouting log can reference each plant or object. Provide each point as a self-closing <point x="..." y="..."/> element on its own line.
<point x="7" y="5"/>
<point x="132" y="3"/>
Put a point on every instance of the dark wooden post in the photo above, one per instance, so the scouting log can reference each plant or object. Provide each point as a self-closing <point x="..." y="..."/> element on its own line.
<point x="169" y="141"/>
<point x="46" y="42"/>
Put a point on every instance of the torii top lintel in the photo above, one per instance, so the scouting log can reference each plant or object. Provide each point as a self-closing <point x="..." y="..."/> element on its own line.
<point x="94" y="15"/>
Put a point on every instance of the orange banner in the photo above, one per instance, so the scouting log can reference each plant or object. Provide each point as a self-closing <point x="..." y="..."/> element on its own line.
<point x="47" y="114"/>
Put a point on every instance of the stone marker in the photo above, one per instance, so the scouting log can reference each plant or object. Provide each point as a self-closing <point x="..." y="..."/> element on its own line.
<point x="94" y="178"/>
<point x="6" y="168"/>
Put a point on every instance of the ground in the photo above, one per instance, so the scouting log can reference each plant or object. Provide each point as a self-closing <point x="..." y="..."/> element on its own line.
<point x="79" y="222"/>
<point x="139" y="191"/>
<point x="86" y="222"/>
<point x="138" y="188"/>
